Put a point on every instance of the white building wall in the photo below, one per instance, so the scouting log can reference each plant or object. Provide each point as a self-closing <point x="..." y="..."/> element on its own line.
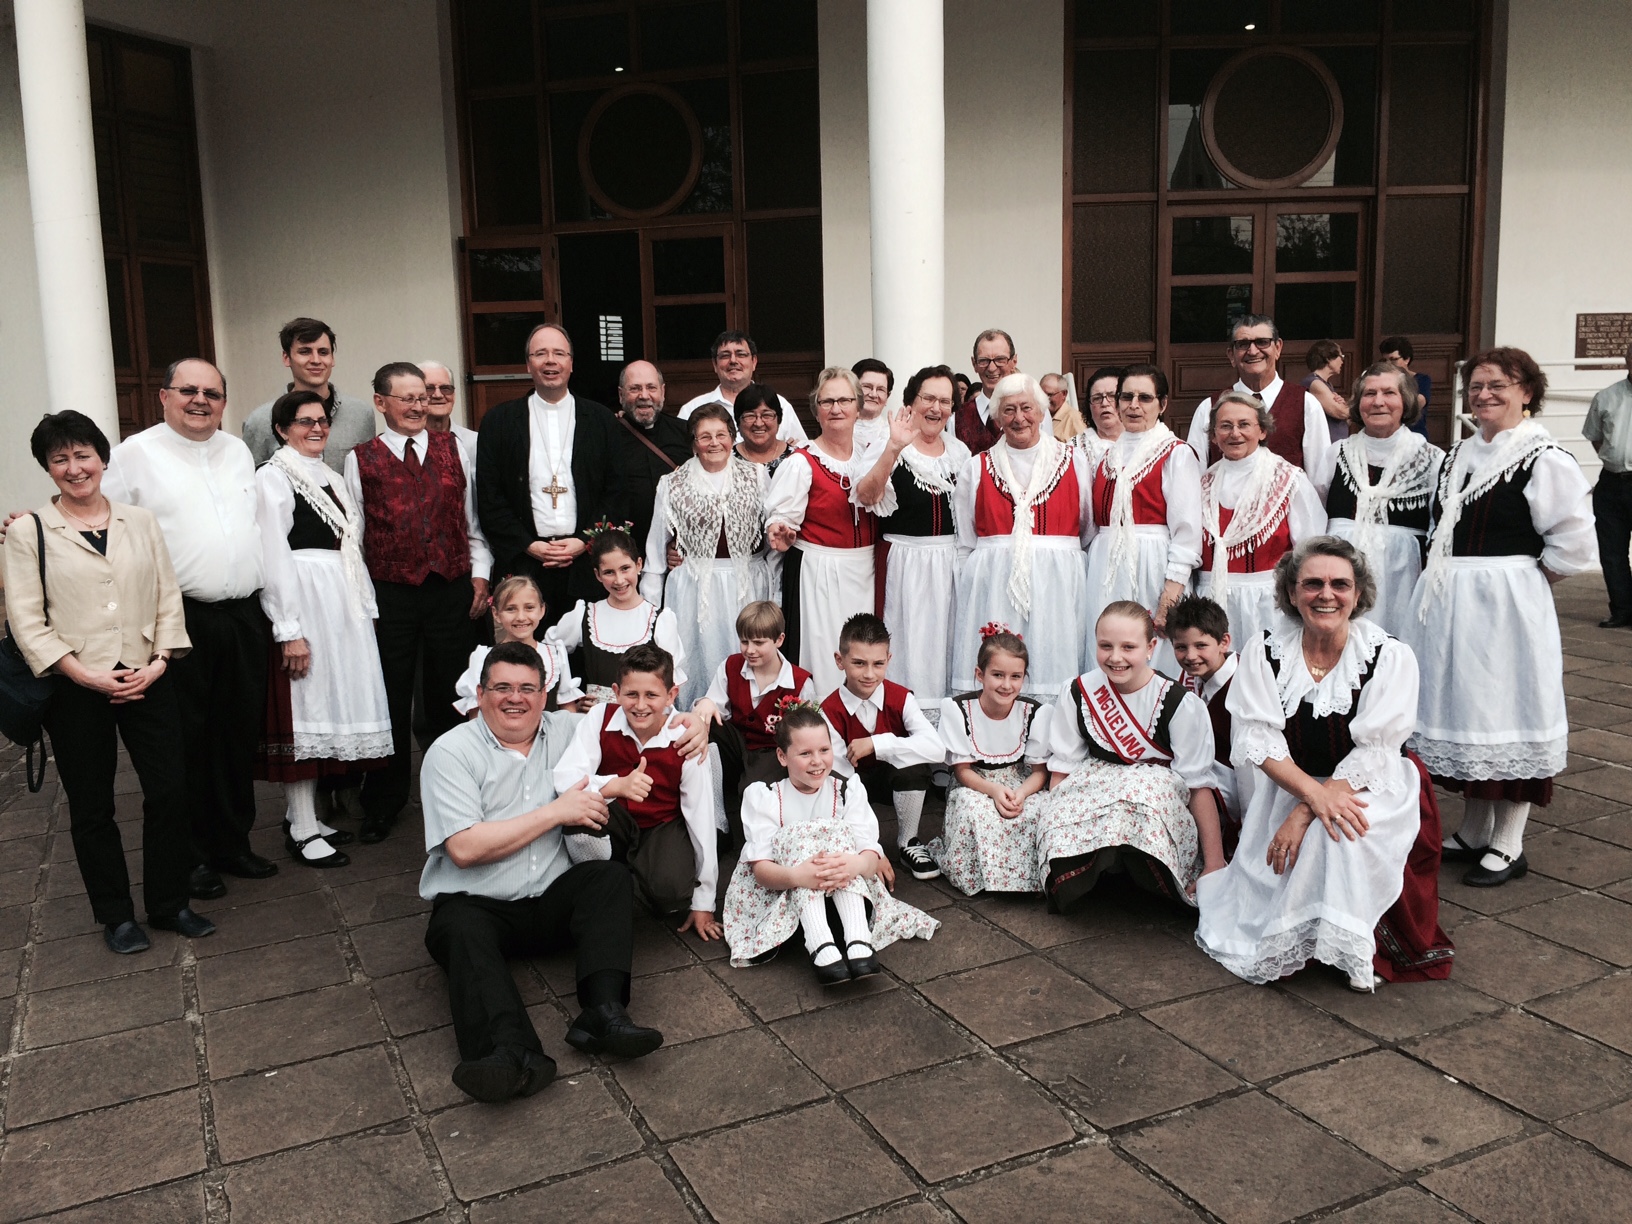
<point x="22" y="483"/>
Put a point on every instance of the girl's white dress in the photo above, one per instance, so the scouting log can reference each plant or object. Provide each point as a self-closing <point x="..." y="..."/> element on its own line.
<point x="614" y="631"/>
<point x="981" y="849"/>
<point x="558" y="677"/>
<point x="787" y="826"/>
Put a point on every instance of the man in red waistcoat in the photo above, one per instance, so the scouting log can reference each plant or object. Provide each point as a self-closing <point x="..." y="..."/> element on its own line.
<point x="430" y="565"/>
<point x="976" y="424"/>
<point x="1300" y="436"/>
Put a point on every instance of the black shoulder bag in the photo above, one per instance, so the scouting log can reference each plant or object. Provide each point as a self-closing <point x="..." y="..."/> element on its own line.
<point x="23" y="695"/>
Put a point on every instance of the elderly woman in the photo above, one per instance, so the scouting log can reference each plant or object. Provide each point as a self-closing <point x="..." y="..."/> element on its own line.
<point x="1104" y="416"/>
<point x="1512" y="513"/>
<point x="1321" y="707"/>
<point x="708" y="520"/>
<point x="758" y="412"/>
<point x="93" y="602"/>
<point x="1255" y="506"/>
<point x="326" y="712"/>
<point x="1023" y="519"/>
<point x="1385" y="478"/>
<point x="814" y="519"/>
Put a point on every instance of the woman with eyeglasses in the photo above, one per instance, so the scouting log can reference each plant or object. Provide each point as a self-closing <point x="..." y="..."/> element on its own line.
<point x="326" y="711"/>
<point x="826" y="537"/>
<point x="1512" y="514"/>
<point x="1147" y="509"/>
<point x="1104" y="420"/>
<point x="758" y="412"/>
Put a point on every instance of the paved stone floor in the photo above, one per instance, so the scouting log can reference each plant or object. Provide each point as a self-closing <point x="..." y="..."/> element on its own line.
<point x="1018" y="1067"/>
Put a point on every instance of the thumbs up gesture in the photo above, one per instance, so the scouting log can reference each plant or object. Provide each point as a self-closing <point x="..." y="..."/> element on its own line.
<point x="632" y="787"/>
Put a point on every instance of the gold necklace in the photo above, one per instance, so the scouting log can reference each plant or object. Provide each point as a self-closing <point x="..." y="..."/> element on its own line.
<point x="107" y="515"/>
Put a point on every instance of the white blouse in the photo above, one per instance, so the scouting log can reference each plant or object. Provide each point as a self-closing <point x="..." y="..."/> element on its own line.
<point x="1191" y="729"/>
<point x="994" y="741"/>
<point x="1181" y="489"/>
<point x="788" y="496"/>
<point x="1560" y="502"/>
<point x="557" y="676"/>
<point x="660" y="537"/>
<point x="274" y="516"/>
<point x="619" y="629"/>
<point x="767" y="808"/>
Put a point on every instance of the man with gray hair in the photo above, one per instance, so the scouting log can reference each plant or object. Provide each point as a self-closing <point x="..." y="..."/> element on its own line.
<point x="648" y="443"/>
<point x="1068" y="422"/>
<point x="975" y="423"/>
<point x="440" y="406"/>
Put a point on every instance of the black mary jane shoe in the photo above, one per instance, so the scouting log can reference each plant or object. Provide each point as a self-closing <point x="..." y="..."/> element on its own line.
<point x="1462" y="852"/>
<point x="340" y="837"/>
<point x="125" y="937"/>
<point x="297" y="851"/>
<point x="861" y="966"/>
<point x="1479" y="876"/>
<point x="607" y="1029"/>
<point x="183" y="922"/>
<point x="834" y="974"/>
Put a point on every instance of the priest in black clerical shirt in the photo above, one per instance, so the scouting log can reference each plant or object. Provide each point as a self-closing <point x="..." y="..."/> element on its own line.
<point x="650" y="442"/>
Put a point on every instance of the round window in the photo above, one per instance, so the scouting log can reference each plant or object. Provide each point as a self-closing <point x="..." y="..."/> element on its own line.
<point x="1272" y="117"/>
<point x="640" y="151"/>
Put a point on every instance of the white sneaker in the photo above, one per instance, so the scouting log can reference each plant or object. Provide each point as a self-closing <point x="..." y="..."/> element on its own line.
<point x="916" y="858"/>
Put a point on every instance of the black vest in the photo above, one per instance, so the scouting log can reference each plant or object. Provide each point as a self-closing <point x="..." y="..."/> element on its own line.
<point x="308" y="530"/>
<point x="918" y="513"/>
<point x="1161" y="735"/>
<point x="1497" y="524"/>
<point x="1318" y="745"/>
<point x="1343" y="498"/>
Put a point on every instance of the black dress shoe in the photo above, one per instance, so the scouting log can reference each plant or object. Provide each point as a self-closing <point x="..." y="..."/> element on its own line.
<point x="498" y="1077"/>
<point x="607" y="1029"/>
<point x="861" y="966"/>
<point x="1616" y="622"/>
<point x="539" y="1070"/>
<point x="1479" y="876"/>
<point x="830" y="974"/>
<point x="338" y="838"/>
<point x="376" y="829"/>
<point x="183" y="922"/>
<point x="246" y="866"/>
<point x="1461" y="852"/>
<point x="204" y="884"/>
<point x="125" y="937"/>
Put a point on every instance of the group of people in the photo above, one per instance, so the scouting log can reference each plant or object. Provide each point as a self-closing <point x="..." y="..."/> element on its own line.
<point x="640" y="642"/>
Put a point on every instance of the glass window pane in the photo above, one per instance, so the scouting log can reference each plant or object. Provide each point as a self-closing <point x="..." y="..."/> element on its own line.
<point x="1422" y="265"/>
<point x="1321" y="16"/>
<point x="1315" y="312"/>
<point x="1317" y="242"/>
<point x="685" y="332"/>
<point x="149" y="83"/>
<point x="781" y="140"/>
<point x="501" y="339"/>
<point x="601" y="307"/>
<point x="776" y="29"/>
<point x="690" y="36"/>
<point x="1113" y="128"/>
<point x="1205" y="314"/>
<point x="567" y="114"/>
<point x="688" y="265"/>
<point x="711" y="103"/>
<point x="1453" y="15"/>
<point x="1354" y="162"/>
<point x="118" y="318"/>
<point x="1113" y="273"/>
<point x="1220" y="16"/>
<point x="1428" y="115"/>
<point x="158" y="183"/>
<point x="1204" y="246"/>
<point x="586" y="46"/>
<point x="498" y="42"/>
<point x="107" y="178"/>
<point x="1272" y="118"/>
<point x="170" y="313"/>
<point x="640" y="151"/>
<point x="515" y="275"/>
<point x="785" y="284"/>
<point x="1189" y="168"/>
<point x="504" y="161"/>
<point x="1117" y="18"/>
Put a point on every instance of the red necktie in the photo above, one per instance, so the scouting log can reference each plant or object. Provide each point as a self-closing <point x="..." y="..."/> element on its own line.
<point x="410" y="458"/>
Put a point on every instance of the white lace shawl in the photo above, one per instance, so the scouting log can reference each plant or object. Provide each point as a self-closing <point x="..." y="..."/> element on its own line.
<point x="342" y="519"/>
<point x="1258" y="511"/>
<point x="1049" y="465"/>
<point x="1152" y="449"/>
<point x="1406" y="484"/>
<point x="698" y="511"/>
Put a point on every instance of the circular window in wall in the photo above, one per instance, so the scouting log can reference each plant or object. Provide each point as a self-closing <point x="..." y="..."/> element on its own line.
<point x="640" y="151"/>
<point x="1272" y="117"/>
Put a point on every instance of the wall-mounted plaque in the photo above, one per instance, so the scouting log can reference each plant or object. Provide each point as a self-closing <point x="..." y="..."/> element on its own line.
<point x="1602" y="335"/>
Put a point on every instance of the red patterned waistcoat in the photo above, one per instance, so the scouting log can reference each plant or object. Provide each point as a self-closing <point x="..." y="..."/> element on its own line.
<point x="414" y="527"/>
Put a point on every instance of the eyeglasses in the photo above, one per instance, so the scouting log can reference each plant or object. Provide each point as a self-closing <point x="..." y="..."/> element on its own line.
<point x="445" y="390"/>
<point x="934" y="401"/>
<point x="421" y="400"/>
<point x="838" y="402"/>
<point x="213" y="396"/>
<point x="1495" y="388"/>
<point x="986" y="363"/>
<point x="321" y="422"/>
<point x="541" y="354"/>
<point x="1136" y="397"/>
<point x="1262" y="343"/>
<point x="1314" y="586"/>
<point x="740" y="354"/>
<point x="504" y="689"/>
<point x="1102" y="397"/>
<point x="760" y="415"/>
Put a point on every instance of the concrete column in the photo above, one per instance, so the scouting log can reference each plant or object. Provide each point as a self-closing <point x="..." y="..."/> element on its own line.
<point x="56" y="95"/>
<point x="906" y="131"/>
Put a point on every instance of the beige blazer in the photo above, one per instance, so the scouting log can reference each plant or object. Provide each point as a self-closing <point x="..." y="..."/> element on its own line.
<point x="121" y="608"/>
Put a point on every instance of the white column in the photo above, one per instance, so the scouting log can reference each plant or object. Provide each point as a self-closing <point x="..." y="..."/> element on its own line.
<point x="906" y="133"/>
<point x="56" y="96"/>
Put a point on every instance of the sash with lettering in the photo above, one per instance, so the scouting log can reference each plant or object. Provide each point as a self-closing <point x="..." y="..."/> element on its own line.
<point x="1109" y="723"/>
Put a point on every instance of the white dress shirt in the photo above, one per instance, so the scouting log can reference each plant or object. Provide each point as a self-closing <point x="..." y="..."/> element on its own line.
<point x="481" y="556"/>
<point x="1317" y="436"/>
<point x="921" y="745"/>
<point x="720" y="695"/>
<point x="983" y="405"/>
<point x="550" y="430"/>
<point x="203" y="495"/>
<point x="790" y="430"/>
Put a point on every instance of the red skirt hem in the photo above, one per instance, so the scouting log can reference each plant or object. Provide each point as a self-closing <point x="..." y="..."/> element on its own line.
<point x="1411" y="945"/>
<point x="1535" y="791"/>
<point x="275" y="759"/>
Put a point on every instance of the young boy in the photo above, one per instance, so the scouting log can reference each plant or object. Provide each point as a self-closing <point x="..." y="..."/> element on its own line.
<point x="660" y="807"/>
<point x="1199" y="632"/>
<point x="883" y="737"/>
<point x="743" y="698"/>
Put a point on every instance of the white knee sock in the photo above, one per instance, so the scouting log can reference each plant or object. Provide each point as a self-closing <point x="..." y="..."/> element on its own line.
<point x="716" y="772"/>
<point x="300" y="799"/>
<point x="909" y="810"/>
<point x="853" y="916"/>
<point x="1477" y="817"/>
<point x="813" y="921"/>
<point x="1508" y="834"/>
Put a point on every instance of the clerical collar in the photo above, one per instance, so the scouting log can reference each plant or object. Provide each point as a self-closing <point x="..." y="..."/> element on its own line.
<point x="538" y="401"/>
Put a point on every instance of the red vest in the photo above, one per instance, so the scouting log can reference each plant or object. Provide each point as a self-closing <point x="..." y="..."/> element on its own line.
<point x="1285" y="436"/>
<point x="892" y="718"/>
<point x="1254" y="560"/>
<point x="831" y="521"/>
<point x="414" y="527"/>
<point x="1149" y="502"/>
<point x="621" y="755"/>
<point x="976" y="434"/>
<point x="1060" y="514"/>
<point x="757" y="722"/>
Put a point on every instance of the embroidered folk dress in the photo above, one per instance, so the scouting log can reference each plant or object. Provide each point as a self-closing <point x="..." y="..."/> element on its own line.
<point x="716" y="521"/>
<point x="1378" y="502"/>
<point x="1482" y="622"/>
<point x="604" y="634"/>
<point x="783" y="824"/>
<point x="1351" y="724"/>
<point x="981" y="849"/>
<point x="1132" y="760"/>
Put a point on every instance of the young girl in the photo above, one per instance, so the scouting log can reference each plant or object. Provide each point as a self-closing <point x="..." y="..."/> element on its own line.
<point x="1131" y="761"/>
<point x="997" y="745"/>
<point x="604" y="631"/>
<point x="518" y="606"/>
<point x="812" y="845"/>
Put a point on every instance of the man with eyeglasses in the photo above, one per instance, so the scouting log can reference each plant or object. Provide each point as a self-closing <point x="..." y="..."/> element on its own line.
<point x="1068" y="422"/>
<point x="199" y="482"/>
<point x="736" y="357"/>
<point x="976" y="425"/>
<point x="439" y="408"/>
<point x="430" y="564"/>
<point x="651" y="443"/>
<point x="308" y="353"/>
<point x="1300" y="434"/>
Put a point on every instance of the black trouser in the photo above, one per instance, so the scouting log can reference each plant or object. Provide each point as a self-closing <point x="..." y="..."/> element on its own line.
<point x="1612" y="512"/>
<point x="221" y="688"/>
<point x="85" y="728"/>
<point x="561" y="586"/>
<point x="882" y="781"/>
<point x="426" y="625"/>
<point x="589" y="907"/>
<point x="740" y="767"/>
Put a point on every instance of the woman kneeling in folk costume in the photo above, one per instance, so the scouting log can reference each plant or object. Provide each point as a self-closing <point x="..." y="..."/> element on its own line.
<point x="1512" y="513"/>
<point x="997" y="744"/>
<point x="1132" y="766"/>
<point x="1385" y="478"/>
<point x="1254" y="507"/>
<point x="709" y="514"/>
<point x="1023" y="521"/>
<point x="326" y="712"/>
<point x="812" y="516"/>
<point x="1322" y="705"/>
<point x="811" y="845"/>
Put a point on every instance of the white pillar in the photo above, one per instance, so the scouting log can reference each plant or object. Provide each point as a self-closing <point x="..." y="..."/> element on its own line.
<point x="906" y="133"/>
<point x="56" y="95"/>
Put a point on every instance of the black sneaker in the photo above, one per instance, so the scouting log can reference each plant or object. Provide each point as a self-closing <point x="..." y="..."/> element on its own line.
<point x="916" y="858"/>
